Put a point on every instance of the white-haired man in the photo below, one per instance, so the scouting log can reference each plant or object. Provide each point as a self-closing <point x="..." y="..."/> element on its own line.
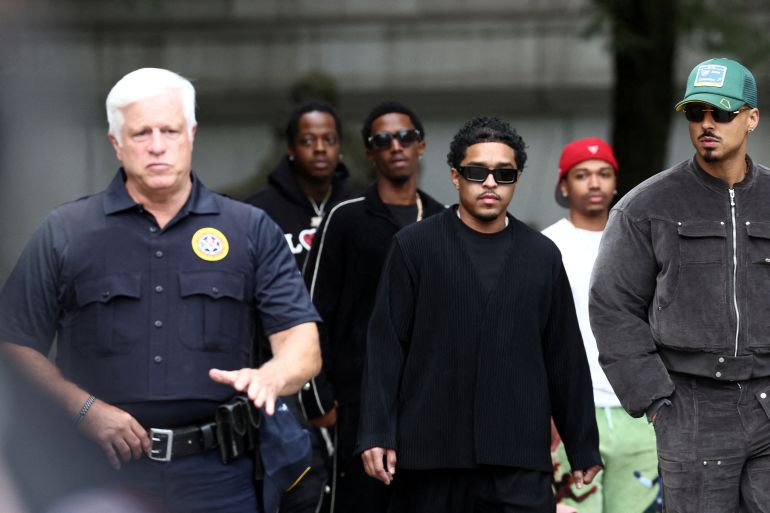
<point x="150" y="287"/>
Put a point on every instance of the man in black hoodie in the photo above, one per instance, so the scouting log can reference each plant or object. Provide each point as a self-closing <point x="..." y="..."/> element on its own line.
<point x="306" y="183"/>
<point x="309" y="179"/>
<point x="342" y="272"/>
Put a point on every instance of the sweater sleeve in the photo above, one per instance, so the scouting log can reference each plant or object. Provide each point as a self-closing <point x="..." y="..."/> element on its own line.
<point x="569" y="378"/>
<point x="622" y="288"/>
<point x="386" y="346"/>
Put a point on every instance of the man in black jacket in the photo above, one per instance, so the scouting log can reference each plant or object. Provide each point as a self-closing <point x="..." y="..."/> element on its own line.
<point x="342" y="272"/>
<point x="306" y="183"/>
<point x="473" y="345"/>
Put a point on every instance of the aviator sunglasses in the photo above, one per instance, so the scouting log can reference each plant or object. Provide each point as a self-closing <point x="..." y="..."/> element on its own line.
<point x="480" y="174"/>
<point x="383" y="140"/>
<point x="695" y="112"/>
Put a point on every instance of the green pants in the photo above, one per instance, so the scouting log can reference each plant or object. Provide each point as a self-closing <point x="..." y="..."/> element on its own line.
<point x="629" y="482"/>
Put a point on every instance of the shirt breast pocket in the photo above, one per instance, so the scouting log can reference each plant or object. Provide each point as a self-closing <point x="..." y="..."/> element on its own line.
<point x="108" y="309"/>
<point x="214" y="310"/>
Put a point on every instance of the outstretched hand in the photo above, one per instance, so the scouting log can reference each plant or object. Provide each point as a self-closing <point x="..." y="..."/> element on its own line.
<point x="261" y="385"/>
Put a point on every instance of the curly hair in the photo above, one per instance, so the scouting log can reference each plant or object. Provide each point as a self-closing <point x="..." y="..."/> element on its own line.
<point x="389" y="107"/>
<point x="486" y="129"/>
<point x="292" y="127"/>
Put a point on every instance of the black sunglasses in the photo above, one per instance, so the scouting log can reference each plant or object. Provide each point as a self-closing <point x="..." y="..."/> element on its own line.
<point x="695" y="113"/>
<point x="383" y="140"/>
<point x="480" y="174"/>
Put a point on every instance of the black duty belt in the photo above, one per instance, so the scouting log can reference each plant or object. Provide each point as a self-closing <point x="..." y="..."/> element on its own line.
<point x="174" y="443"/>
<point x="233" y="432"/>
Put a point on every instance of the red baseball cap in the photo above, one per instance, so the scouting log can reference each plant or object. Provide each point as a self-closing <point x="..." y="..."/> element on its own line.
<point x="578" y="151"/>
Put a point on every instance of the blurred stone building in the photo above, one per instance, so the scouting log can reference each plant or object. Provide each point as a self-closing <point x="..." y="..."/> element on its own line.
<point x="528" y="61"/>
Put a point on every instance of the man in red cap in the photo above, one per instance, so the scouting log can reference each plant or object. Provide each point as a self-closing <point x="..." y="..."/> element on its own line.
<point x="587" y="180"/>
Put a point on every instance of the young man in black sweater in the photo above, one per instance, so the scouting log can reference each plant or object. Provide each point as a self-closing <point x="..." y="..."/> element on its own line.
<point x="473" y="345"/>
<point x="342" y="273"/>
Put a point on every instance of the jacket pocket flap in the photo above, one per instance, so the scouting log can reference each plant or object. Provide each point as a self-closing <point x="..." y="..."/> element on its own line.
<point x="104" y="289"/>
<point x="703" y="229"/>
<point x="758" y="229"/>
<point x="215" y="284"/>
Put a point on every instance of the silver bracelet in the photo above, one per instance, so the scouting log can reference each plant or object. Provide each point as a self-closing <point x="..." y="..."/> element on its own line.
<point x="86" y="406"/>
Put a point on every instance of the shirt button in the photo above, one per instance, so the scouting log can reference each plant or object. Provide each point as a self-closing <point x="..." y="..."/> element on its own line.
<point x="763" y="395"/>
<point x="159" y="254"/>
<point x="215" y="290"/>
<point x="157" y="359"/>
<point x="718" y="374"/>
<point x="106" y="293"/>
<point x="705" y="463"/>
<point x="153" y="229"/>
<point x="158" y="324"/>
<point x="748" y="223"/>
<point x="306" y="387"/>
<point x="158" y="288"/>
<point x="721" y="359"/>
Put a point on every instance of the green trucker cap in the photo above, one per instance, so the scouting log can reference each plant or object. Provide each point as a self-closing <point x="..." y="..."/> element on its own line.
<point x="723" y="83"/>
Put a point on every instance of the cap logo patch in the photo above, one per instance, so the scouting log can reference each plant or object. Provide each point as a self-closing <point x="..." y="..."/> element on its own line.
<point x="724" y="102"/>
<point x="593" y="149"/>
<point x="710" y="75"/>
<point x="210" y="244"/>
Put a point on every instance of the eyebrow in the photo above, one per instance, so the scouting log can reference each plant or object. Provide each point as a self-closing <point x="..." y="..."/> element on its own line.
<point x="494" y="166"/>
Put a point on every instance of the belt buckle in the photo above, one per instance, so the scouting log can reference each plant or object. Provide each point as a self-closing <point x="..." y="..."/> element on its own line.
<point x="160" y="436"/>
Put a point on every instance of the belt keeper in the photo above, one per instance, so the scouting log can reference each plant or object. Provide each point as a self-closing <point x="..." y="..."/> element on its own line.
<point x="84" y="410"/>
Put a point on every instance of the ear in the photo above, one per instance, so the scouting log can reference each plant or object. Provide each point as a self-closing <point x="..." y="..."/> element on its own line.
<point x="455" y="178"/>
<point x="116" y="147"/>
<point x="563" y="188"/>
<point x="753" y="119"/>
<point x="421" y="148"/>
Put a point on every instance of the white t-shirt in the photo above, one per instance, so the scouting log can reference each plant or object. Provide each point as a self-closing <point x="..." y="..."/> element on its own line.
<point x="579" y="249"/>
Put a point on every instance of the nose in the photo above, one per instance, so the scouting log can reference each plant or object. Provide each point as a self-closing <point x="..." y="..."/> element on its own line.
<point x="593" y="181"/>
<point x="157" y="145"/>
<point x="708" y="120"/>
<point x="319" y="145"/>
<point x="489" y="182"/>
<point x="395" y="145"/>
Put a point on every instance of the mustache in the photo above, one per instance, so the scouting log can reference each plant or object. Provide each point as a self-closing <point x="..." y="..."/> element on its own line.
<point x="489" y="194"/>
<point x="709" y="133"/>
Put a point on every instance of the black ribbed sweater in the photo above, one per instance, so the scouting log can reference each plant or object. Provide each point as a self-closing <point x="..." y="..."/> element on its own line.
<point x="456" y="378"/>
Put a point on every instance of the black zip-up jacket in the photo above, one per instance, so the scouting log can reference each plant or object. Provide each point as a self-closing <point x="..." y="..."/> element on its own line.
<point x="284" y="201"/>
<point x="458" y="376"/>
<point x="681" y="283"/>
<point x="342" y="272"/>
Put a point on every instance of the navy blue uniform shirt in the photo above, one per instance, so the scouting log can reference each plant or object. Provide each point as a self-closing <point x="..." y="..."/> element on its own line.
<point x="142" y="313"/>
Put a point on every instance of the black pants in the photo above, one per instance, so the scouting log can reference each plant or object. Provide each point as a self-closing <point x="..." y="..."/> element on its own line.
<point x="484" y="490"/>
<point x="195" y="484"/>
<point x="714" y="446"/>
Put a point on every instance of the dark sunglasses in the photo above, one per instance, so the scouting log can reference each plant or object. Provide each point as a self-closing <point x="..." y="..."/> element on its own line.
<point x="480" y="174"/>
<point x="696" y="112"/>
<point x="405" y="138"/>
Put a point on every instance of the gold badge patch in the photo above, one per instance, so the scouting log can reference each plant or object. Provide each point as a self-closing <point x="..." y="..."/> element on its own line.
<point x="210" y="244"/>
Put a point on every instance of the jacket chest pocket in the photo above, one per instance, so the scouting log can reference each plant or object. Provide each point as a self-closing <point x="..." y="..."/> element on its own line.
<point x="758" y="284"/>
<point x="691" y="312"/>
<point x="108" y="310"/>
<point x="214" y="311"/>
<point x="702" y="242"/>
